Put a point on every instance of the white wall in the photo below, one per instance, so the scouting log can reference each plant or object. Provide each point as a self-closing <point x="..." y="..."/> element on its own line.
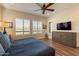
<point x="1" y="15"/>
<point x="11" y="15"/>
<point x="64" y="13"/>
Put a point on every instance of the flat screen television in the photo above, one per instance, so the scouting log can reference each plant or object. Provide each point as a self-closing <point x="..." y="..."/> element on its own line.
<point x="64" y="26"/>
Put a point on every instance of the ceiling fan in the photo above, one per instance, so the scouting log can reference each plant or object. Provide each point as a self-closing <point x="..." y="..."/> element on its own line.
<point x="45" y="7"/>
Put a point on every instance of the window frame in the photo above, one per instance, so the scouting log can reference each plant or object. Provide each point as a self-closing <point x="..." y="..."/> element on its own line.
<point x="41" y="27"/>
<point x="37" y="27"/>
<point x="50" y="25"/>
<point x="22" y="27"/>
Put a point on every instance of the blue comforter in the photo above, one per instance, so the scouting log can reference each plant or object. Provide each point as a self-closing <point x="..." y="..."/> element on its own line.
<point x="30" y="47"/>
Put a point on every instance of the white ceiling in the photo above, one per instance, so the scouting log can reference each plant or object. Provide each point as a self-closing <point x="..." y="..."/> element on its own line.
<point x="28" y="8"/>
<point x="31" y="7"/>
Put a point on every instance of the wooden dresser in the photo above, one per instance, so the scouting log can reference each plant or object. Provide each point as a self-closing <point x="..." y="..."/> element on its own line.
<point x="65" y="38"/>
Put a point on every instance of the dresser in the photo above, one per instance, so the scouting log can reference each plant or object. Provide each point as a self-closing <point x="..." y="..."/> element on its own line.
<point x="65" y="38"/>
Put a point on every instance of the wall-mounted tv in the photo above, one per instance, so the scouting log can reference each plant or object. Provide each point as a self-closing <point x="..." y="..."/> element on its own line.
<point x="64" y="26"/>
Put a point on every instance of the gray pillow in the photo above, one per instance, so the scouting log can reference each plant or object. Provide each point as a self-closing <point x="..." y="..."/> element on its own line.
<point x="1" y="50"/>
<point x="7" y="39"/>
<point x="5" y="42"/>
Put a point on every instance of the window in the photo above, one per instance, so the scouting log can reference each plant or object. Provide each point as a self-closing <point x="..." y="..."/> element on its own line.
<point x="19" y="26"/>
<point x="26" y="27"/>
<point x="36" y="27"/>
<point x="50" y="27"/>
<point x="40" y="27"/>
<point x="22" y="26"/>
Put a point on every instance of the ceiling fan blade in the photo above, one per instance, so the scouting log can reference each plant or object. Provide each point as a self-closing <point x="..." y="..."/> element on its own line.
<point x="39" y="5"/>
<point x="49" y="5"/>
<point x="50" y="9"/>
<point x="37" y="9"/>
<point x="43" y="12"/>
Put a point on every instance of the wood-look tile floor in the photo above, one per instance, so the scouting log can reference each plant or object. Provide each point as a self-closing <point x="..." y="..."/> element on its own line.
<point x="62" y="50"/>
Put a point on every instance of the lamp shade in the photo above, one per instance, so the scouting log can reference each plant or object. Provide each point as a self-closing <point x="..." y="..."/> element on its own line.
<point x="5" y="24"/>
<point x="0" y="24"/>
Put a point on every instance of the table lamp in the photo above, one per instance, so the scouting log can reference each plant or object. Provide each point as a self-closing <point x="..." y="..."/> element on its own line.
<point x="4" y="24"/>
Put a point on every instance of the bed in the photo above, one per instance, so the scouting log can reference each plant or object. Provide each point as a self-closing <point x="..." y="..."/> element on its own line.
<point x="26" y="47"/>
